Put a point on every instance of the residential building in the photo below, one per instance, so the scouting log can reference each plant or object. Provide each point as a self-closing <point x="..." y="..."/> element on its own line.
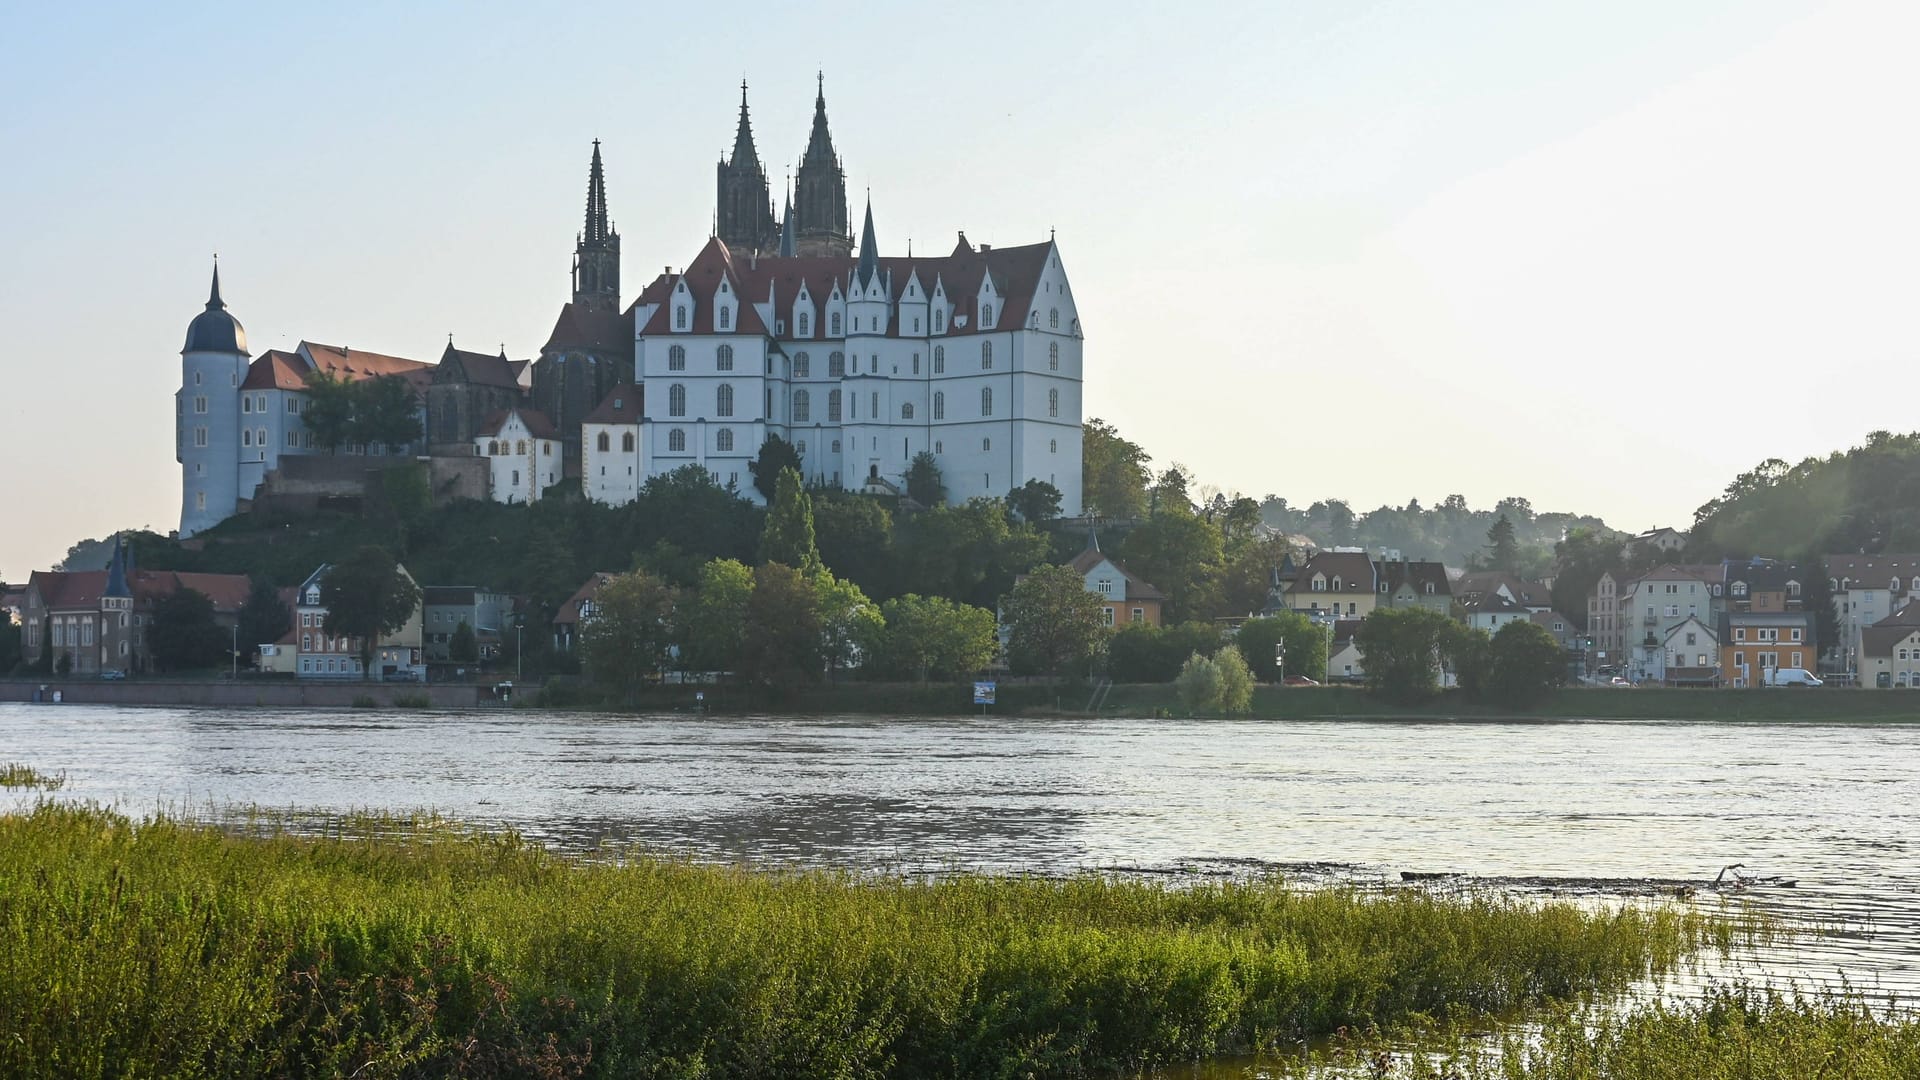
<point x="1866" y="590"/>
<point x="1126" y="598"/>
<point x="613" y="469"/>
<point x="1340" y="583"/>
<point x="1531" y="595"/>
<point x="1405" y="583"/>
<point x="1890" y="651"/>
<point x="577" y="610"/>
<point x="1688" y="655"/>
<point x="523" y="454"/>
<point x="1604" y="627"/>
<point x="1344" y="660"/>
<point x="486" y="612"/>
<point x="99" y="620"/>
<point x="1564" y="633"/>
<point x="1493" y="609"/>
<point x="1753" y="643"/>
<point x="1665" y="540"/>
<point x="399" y="655"/>
<point x="1652" y="605"/>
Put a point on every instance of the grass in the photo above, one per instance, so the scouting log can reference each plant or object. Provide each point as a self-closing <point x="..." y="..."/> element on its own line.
<point x="390" y="947"/>
<point x="15" y="775"/>
<point x="1732" y="1033"/>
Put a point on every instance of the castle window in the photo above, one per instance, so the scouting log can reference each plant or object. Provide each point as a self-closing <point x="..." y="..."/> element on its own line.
<point x="873" y="405"/>
<point x="293" y="406"/>
<point x="1053" y="446"/>
<point x="836" y="365"/>
<point x="1053" y="356"/>
<point x="986" y="401"/>
<point x="834" y="325"/>
<point x="293" y="439"/>
<point x="626" y="441"/>
<point x="726" y="318"/>
<point x="916" y="363"/>
<point x="939" y="322"/>
<point x="199" y="436"/>
<point x="939" y="359"/>
<point x="939" y="447"/>
<point x="196" y="378"/>
<point x="1053" y="319"/>
<point x="836" y="446"/>
<point x="246" y="436"/>
<point x="679" y="316"/>
<point x="723" y="441"/>
<point x="939" y="405"/>
<point x="520" y="446"/>
<point x="802" y="365"/>
<point x="906" y="411"/>
<point x="677" y="358"/>
<point x="493" y="448"/>
<point x="200" y="404"/>
<point x="246" y="403"/>
<point x="723" y="400"/>
<point x="604" y="442"/>
<point x="986" y="315"/>
<point x="677" y="441"/>
<point x="1053" y="403"/>
<point x="259" y="436"/>
<point x="986" y="355"/>
<point x="986" y="444"/>
<point x="802" y="407"/>
<point x="833" y="406"/>
<point x="725" y="361"/>
<point x="800" y="447"/>
<point x="677" y="400"/>
<point x="806" y="327"/>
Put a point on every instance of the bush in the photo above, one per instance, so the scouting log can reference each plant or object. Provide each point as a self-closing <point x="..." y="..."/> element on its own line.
<point x="1199" y="683"/>
<point x="364" y="701"/>
<point x="412" y="701"/>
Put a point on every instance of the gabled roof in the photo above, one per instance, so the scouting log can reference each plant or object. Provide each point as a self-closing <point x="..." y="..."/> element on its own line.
<point x="622" y="405"/>
<point x="1874" y="571"/>
<point x="482" y="369"/>
<point x="276" y="370"/>
<point x="1880" y="639"/>
<point x="68" y="591"/>
<point x="570" y="611"/>
<point x="1353" y="568"/>
<point x="1529" y="594"/>
<point x="533" y="420"/>
<point x="1138" y="588"/>
<point x="593" y="329"/>
<point x="353" y="365"/>
<point x="1493" y="602"/>
<point x="1417" y="575"/>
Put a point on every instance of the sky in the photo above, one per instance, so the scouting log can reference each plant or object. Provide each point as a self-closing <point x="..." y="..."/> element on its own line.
<point x="1603" y="255"/>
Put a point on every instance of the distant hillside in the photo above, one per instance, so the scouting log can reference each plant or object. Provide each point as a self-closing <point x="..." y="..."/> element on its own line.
<point x="1864" y="500"/>
<point x="1450" y="531"/>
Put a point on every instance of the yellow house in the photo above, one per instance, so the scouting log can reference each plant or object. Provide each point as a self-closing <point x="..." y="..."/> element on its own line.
<point x="1335" y="582"/>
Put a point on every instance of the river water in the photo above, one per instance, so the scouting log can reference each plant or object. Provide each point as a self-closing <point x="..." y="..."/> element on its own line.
<point x="1836" y="807"/>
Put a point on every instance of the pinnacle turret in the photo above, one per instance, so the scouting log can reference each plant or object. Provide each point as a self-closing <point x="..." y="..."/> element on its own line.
<point x="821" y="201"/>
<point x="598" y="227"/>
<point x="596" y="257"/>
<point x="869" y="267"/>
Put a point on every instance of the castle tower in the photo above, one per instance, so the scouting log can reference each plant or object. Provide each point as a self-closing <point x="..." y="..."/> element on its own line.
<point x="822" y="183"/>
<point x="596" y="254"/>
<point x="743" y="208"/>
<point x="207" y="415"/>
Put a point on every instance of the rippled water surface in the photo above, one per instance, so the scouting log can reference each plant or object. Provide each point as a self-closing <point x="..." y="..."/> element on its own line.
<point x="1833" y="806"/>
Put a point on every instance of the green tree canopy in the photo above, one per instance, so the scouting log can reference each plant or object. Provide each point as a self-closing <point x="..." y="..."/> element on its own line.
<point x="714" y="619"/>
<point x="463" y="647"/>
<point x="1036" y="502"/>
<point x="184" y="635"/>
<point x="788" y="535"/>
<point x="10" y="647"/>
<point x="264" y="618"/>
<point x="776" y="456"/>
<point x="925" y="485"/>
<point x="850" y="624"/>
<point x="1114" y="472"/>
<point x="367" y="595"/>
<point x="933" y="637"/>
<point x="1054" y="623"/>
<point x="854" y="534"/>
<point x="1198" y="683"/>
<point x="1303" y="645"/>
<point x="626" y="639"/>
<point x="386" y="412"/>
<point x="1142" y="652"/>
<point x="1179" y="552"/>
<point x="328" y="410"/>
<point x="1401" y="648"/>
<point x="1526" y="665"/>
<point x="781" y="643"/>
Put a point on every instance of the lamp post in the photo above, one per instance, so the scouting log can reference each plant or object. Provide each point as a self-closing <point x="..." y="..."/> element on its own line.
<point x="519" y="648"/>
<point x="236" y="649"/>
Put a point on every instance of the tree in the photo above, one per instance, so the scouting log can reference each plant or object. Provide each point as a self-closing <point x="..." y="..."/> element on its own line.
<point x="1402" y="650"/>
<point x="1236" y="682"/>
<point x="714" y="622"/>
<point x="463" y="647"/>
<point x="1503" y="550"/>
<point x="1198" y="683"/>
<point x="1579" y="560"/>
<point x="184" y="635"/>
<point x="787" y="537"/>
<point x="386" y="412"/>
<point x="328" y="410"/>
<point x="625" y="641"/>
<point x="969" y="552"/>
<point x="1178" y="552"/>
<point x="1526" y="665"/>
<point x="10" y="648"/>
<point x="1114" y="472"/>
<point x="1816" y="597"/>
<point x="264" y="618"/>
<point x="1035" y="501"/>
<point x="368" y="595"/>
<point x="929" y="636"/>
<point x="1259" y="639"/>
<point x="1469" y="652"/>
<point x="776" y="456"/>
<point x="781" y="643"/>
<point x="1142" y="652"/>
<point x="925" y="485"/>
<point x="1054" y="623"/>
<point x="854" y="534"/>
<point x="850" y="624"/>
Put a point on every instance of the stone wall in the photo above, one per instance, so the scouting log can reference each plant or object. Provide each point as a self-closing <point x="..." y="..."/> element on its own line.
<point x="272" y="693"/>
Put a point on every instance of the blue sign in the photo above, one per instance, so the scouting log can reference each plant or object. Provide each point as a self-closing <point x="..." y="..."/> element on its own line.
<point x="983" y="693"/>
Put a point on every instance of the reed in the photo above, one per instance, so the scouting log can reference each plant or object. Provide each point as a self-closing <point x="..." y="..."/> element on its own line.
<point x="379" y="946"/>
<point x="15" y="775"/>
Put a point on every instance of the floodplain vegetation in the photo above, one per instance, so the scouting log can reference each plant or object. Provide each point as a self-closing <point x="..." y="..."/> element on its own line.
<point x="389" y="947"/>
<point x="15" y="775"/>
<point x="1739" y="1032"/>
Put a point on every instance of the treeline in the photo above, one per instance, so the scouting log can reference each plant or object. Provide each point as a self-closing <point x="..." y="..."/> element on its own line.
<point x="1865" y="500"/>
<point x="1449" y="531"/>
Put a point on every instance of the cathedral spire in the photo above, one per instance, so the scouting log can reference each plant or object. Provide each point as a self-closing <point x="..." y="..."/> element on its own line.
<point x="596" y="257"/>
<point x="214" y="303"/>
<point x="821" y="201"/>
<point x="597" y="226"/>
<point x="743" y="135"/>
<point x="820" y="141"/>
<point x="869" y="267"/>
<point x="786" y="227"/>
<point x="743" y="207"/>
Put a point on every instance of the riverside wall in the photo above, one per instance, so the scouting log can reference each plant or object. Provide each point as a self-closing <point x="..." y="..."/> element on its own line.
<point x="243" y="693"/>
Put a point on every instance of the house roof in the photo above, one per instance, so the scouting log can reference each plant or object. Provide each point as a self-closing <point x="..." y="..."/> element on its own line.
<point x="533" y="420"/>
<point x="1492" y="602"/>
<point x="594" y="329"/>
<point x="482" y="369"/>
<point x="1529" y="594"/>
<point x="276" y="370"/>
<point x="570" y="611"/>
<point x="1137" y="587"/>
<point x="353" y="365"/>
<point x="1416" y="574"/>
<point x="1874" y="571"/>
<point x="622" y="405"/>
<point x="82" y="589"/>
<point x="1353" y="568"/>
<point x="1880" y="639"/>
<point x="1765" y="575"/>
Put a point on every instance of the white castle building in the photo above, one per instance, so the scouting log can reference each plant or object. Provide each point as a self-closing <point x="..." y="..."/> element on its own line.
<point x="776" y="328"/>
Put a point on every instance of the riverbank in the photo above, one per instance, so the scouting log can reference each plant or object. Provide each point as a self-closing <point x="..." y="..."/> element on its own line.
<point x="394" y="946"/>
<point x="245" y="693"/>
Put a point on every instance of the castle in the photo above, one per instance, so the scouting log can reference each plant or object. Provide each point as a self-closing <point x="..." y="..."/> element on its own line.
<point x="777" y="327"/>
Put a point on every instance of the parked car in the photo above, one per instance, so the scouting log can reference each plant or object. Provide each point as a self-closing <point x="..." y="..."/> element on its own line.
<point x="1298" y="680"/>
<point x="111" y="674"/>
<point x="1792" y="676"/>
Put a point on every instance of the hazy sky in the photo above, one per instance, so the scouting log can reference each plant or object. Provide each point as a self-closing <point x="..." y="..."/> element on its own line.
<point x="1604" y="255"/>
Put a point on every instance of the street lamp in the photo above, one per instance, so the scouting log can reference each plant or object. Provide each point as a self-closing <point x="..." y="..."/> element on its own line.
<point x="236" y="649"/>
<point x="519" y="648"/>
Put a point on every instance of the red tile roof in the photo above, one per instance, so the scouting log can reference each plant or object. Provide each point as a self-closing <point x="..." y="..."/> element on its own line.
<point x="570" y="611"/>
<point x="276" y="370"/>
<point x="579" y="327"/>
<point x="66" y="591"/>
<point x="536" y="423"/>
<point x="1137" y="587"/>
<point x="622" y="405"/>
<point x="356" y="364"/>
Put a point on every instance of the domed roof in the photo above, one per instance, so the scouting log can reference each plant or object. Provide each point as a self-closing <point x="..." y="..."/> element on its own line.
<point x="213" y="330"/>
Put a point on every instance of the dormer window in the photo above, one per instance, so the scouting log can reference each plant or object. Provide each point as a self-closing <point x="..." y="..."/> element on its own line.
<point x="833" y="325"/>
<point x="1053" y="318"/>
<point x="806" y="326"/>
<point x="986" y="315"/>
<point x="939" y="322"/>
<point x="726" y="318"/>
<point x="1336" y="583"/>
<point x="679" y="316"/>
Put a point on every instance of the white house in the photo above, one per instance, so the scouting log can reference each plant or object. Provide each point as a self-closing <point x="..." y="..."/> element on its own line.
<point x="613" y="468"/>
<point x="1688" y="652"/>
<point x="321" y="655"/>
<point x="1494" y="609"/>
<point x="1651" y="607"/>
<point x="523" y="454"/>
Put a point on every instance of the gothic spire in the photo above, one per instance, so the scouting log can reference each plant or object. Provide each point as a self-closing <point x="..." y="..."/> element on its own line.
<point x="743" y="136"/>
<point x="787" y="225"/>
<point x="820" y="142"/>
<point x="213" y="299"/>
<point x="869" y="267"/>
<point x="597" y="226"/>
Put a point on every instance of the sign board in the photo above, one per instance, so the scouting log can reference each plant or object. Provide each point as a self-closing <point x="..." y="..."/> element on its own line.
<point x="983" y="693"/>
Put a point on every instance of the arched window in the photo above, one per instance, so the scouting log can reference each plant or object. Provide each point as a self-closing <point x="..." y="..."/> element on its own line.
<point x="939" y="447"/>
<point x="836" y="446"/>
<point x="725" y="362"/>
<point x="677" y="441"/>
<point x="986" y="401"/>
<point x="1053" y="356"/>
<point x="833" y="406"/>
<point x="723" y="400"/>
<point x="802" y="365"/>
<point x="1053" y="446"/>
<point x="520" y="446"/>
<point x="939" y="359"/>
<point x="726" y="317"/>
<point x="986" y="444"/>
<point x="493" y="449"/>
<point x="906" y="411"/>
<point x="939" y="322"/>
<point x="1053" y="319"/>
<point x="1053" y="403"/>
<point x="986" y="315"/>
<point x="605" y="442"/>
<point x="626" y="441"/>
<point x="802" y="407"/>
<point x="723" y="441"/>
<point x="939" y="405"/>
<point x="916" y="363"/>
<point x="679" y="316"/>
<point x="873" y="404"/>
<point x="833" y="325"/>
<point x="986" y="355"/>
<point x="676" y="358"/>
<point x="806" y="328"/>
<point x="677" y="400"/>
<point x="836" y="365"/>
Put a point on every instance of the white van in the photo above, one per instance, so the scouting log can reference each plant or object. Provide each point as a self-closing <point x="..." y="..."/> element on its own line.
<point x="1792" y="676"/>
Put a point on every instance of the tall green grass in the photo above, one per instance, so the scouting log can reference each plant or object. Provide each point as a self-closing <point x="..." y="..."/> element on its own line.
<point x="389" y="948"/>
<point x="15" y="775"/>
<point x="1732" y="1033"/>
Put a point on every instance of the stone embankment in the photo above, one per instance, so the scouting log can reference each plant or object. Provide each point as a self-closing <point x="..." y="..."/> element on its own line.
<point x="244" y="692"/>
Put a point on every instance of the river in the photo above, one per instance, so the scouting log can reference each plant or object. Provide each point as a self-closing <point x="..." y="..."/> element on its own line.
<point x="1836" y="807"/>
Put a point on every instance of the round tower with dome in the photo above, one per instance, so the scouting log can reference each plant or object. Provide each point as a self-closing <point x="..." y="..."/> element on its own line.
<point x="207" y="415"/>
